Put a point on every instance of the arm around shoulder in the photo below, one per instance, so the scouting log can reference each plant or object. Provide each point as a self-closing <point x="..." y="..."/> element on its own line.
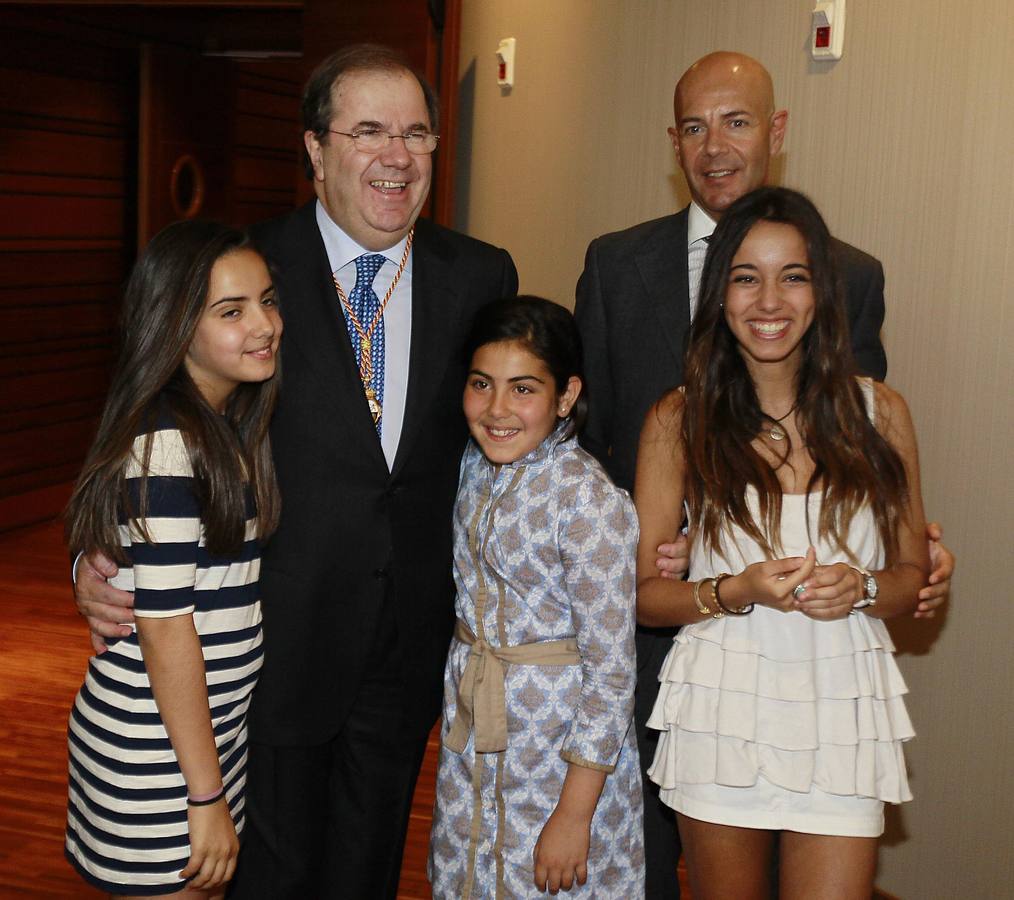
<point x="658" y="495"/>
<point x="900" y="583"/>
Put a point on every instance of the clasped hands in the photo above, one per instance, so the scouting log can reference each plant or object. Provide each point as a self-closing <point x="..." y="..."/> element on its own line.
<point x="674" y="560"/>
<point x="828" y="592"/>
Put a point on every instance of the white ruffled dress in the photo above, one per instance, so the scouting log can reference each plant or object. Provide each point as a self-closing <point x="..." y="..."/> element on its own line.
<point x="775" y="720"/>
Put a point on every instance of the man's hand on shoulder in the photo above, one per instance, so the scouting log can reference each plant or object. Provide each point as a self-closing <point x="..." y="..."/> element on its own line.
<point x="107" y="610"/>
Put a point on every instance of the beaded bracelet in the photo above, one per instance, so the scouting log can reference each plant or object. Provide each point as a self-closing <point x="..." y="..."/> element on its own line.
<point x="732" y="611"/>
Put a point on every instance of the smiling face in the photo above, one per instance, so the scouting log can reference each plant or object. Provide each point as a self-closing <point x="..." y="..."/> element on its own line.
<point x="769" y="298"/>
<point x="726" y="129"/>
<point x="237" y="335"/>
<point x="511" y="401"/>
<point x="373" y="197"/>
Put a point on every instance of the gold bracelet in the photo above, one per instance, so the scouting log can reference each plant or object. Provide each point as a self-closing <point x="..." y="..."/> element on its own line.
<point x="701" y="607"/>
<point x="732" y="611"/>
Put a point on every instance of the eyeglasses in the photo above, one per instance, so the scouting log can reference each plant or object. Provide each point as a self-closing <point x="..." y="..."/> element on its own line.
<point x="371" y="140"/>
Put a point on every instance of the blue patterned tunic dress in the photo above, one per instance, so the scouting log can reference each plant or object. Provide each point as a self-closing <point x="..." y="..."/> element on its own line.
<point x="127" y="811"/>
<point x="544" y="551"/>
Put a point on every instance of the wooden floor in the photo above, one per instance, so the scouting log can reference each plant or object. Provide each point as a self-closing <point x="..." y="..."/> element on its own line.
<point x="44" y="650"/>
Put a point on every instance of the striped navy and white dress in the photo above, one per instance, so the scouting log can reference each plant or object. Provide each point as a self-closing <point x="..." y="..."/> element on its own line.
<point x="127" y="810"/>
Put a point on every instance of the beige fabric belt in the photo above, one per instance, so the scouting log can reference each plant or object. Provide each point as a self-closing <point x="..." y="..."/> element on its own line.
<point x="481" y="696"/>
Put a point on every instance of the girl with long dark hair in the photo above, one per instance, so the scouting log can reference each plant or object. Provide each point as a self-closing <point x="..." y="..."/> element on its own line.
<point x="179" y="489"/>
<point x="780" y="704"/>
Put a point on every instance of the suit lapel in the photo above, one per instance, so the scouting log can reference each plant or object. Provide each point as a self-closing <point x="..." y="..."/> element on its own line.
<point x="319" y="331"/>
<point x="662" y="264"/>
<point x="436" y="307"/>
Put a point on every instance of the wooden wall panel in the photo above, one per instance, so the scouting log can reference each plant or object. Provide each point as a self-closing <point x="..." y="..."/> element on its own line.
<point x="57" y="443"/>
<point x="256" y="131"/>
<point x="73" y="353"/>
<point x="29" y="325"/>
<point x="404" y="24"/>
<point x="56" y="97"/>
<point x="244" y="134"/>
<point x="21" y="272"/>
<point x="56" y="210"/>
<point x="184" y="114"/>
<point x="67" y="134"/>
<point x="267" y="139"/>
<point x="28" y="147"/>
<point x="33" y="391"/>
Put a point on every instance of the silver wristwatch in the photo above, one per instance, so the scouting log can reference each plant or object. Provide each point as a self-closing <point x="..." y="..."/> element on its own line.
<point x="870" y="591"/>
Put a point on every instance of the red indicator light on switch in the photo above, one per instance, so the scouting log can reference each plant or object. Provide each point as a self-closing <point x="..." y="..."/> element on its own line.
<point x="503" y="71"/>
<point x="823" y="37"/>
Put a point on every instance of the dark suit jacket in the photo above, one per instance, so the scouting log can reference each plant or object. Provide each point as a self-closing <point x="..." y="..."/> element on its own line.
<point x="633" y="310"/>
<point x="352" y="533"/>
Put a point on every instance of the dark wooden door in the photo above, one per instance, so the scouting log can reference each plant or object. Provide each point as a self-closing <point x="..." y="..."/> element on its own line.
<point x="184" y="138"/>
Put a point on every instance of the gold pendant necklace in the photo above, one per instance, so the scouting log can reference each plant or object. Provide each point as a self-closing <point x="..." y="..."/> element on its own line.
<point x="366" y="373"/>
<point x="374" y="404"/>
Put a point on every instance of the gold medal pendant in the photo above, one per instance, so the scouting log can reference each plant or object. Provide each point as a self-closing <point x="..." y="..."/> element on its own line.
<point x="365" y="333"/>
<point x="374" y="404"/>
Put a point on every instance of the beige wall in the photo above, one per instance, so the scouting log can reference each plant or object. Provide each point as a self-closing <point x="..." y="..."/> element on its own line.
<point x="906" y="144"/>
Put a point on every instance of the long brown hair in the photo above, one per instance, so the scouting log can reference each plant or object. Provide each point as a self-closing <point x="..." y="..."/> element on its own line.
<point x="162" y="304"/>
<point x="853" y="464"/>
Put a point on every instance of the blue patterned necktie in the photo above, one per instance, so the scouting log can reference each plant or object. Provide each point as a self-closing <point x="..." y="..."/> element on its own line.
<point x="365" y="303"/>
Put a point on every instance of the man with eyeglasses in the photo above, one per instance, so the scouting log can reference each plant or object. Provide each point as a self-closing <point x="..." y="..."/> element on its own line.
<point x="356" y="583"/>
<point x="635" y="301"/>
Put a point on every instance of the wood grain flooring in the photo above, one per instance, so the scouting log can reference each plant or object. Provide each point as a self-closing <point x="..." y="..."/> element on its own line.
<point x="43" y="653"/>
<point x="44" y="650"/>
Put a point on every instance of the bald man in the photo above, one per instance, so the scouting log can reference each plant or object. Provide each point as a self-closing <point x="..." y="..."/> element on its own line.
<point x="635" y="300"/>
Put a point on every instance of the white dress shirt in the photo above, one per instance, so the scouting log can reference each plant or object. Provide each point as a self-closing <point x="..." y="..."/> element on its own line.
<point x="342" y="253"/>
<point x="699" y="227"/>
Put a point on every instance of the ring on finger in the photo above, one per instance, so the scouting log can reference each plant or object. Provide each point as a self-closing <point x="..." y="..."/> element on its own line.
<point x="798" y="590"/>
